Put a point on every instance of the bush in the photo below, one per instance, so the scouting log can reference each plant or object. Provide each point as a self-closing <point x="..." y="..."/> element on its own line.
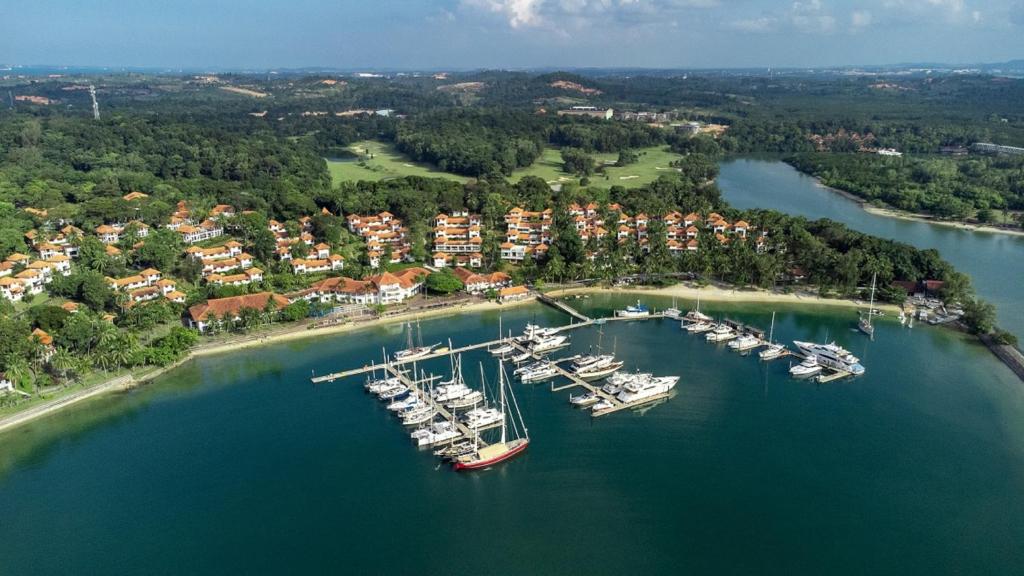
<point x="1004" y="337"/>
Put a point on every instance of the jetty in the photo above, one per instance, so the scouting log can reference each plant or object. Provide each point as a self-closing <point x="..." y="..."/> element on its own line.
<point x="559" y="305"/>
<point x="414" y="387"/>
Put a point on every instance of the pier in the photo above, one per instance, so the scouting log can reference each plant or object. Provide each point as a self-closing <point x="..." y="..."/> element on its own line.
<point x="559" y="305"/>
<point x="448" y="415"/>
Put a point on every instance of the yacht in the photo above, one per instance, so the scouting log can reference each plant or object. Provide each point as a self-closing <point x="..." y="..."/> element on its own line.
<point x="864" y="323"/>
<point x="471" y="399"/>
<point x="673" y="312"/>
<point x="549" y="343"/>
<point x="616" y="382"/>
<point x="638" y="311"/>
<point x="520" y="358"/>
<point x="744" y="342"/>
<point x="451" y="392"/>
<point x="531" y="366"/>
<point x="403" y="404"/>
<point x="505" y="448"/>
<point x="720" y="333"/>
<point x="774" y="349"/>
<point x="503" y="350"/>
<point x="535" y="331"/>
<point x="414" y="352"/>
<point x="375" y="386"/>
<point x="696" y="315"/>
<point x="584" y="400"/>
<point x="645" y="389"/>
<point x="602" y="404"/>
<point x="809" y="367"/>
<point x="699" y="327"/>
<point x="478" y="418"/>
<point x="832" y="356"/>
<point x="436" y="433"/>
<point x="455" y="449"/>
<point x="595" y="371"/>
<point x="539" y="374"/>
<point x="418" y="415"/>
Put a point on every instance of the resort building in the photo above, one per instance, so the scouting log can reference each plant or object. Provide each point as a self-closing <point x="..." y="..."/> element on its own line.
<point x="513" y="293"/>
<point x="383" y="233"/>
<point x="478" y="283"/>
<point x="240" y="261"/>
<point x="457" y="240"/>
<point x="386" y="288"/>
<point x="307" y="266"/>
<point x="245" y="278"/>
<point x="206" y="230"/>
<point x="219" y="311"/>
<point x="529" y="233"/>
<point x="229" y="249"/>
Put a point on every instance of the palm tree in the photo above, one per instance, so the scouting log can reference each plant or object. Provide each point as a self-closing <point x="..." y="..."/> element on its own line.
<point x="63" y="361"/>
<point x="19" y="371"/>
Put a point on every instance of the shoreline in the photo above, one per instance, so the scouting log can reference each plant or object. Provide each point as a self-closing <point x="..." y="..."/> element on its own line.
<point x="291" y="333"/>
<point x="719" y="293"/>
<point x="889" y="212"/>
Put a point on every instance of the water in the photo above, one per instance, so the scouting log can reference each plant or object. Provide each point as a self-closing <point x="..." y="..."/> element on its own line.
<point x="236" y="464"/>
<point x="995" y="262"/>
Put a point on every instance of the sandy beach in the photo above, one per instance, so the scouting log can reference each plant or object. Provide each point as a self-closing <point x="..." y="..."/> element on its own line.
<point x="714" y="293"/>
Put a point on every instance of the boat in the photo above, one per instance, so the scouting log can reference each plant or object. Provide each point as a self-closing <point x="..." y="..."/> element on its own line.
<point x="539" y="373"/>
<point x="616" y="382"/>
<point x="505" y="448"/>
<point x="549" y="343"/>
<point x="699" y="327"/>
<point x="402" y="404"/>
<point x="539" y="331"/>
<point x="502" y="350"/>
<point x="455" y="449"/>
<point x="864" y="323"/>
<point x="809" y="367"/>
<point x="643" y="389"/>
<point x="471" y="399"/>
<point x="529" y="367"/>
<point x="673" y="312"/>
<point x="520" y="358"/>
<point x="744" y="342"/>
<point x="602" y="404"/>
<point x="595" y="371"/>
<point x="478" y="418"/>
<point x="584" y="400"/>
<point x="418" y="416"/>
<point x="375" y="386"/>
<point x="637" y="311"/>
<point x="696" y="315"/>
<point x="774" y="349"/>
<point x="414" y="352"/>
<point x="451" y="392"/>
<point x="832" y="356"/>
<point x="436" y="433"/>
<point x="720" y="333"/>
<point x="393" y="392"/>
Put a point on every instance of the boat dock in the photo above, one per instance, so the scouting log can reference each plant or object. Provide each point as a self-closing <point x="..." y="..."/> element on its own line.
<point x="413" y="385"/>
<point x="558" y="304"/>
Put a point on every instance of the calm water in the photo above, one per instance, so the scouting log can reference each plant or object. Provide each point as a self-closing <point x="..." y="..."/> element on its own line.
<point x="236" y="464"/>
<point x="994" y="261"/>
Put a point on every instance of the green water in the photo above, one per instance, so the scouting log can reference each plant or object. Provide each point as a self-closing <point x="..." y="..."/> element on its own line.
<point x="995" y="262"/>
<point x="237" y="465"/>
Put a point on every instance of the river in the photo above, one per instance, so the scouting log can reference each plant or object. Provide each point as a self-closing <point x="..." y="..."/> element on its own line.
<point x="236" y="464"/>
<point x="994" y="261"/>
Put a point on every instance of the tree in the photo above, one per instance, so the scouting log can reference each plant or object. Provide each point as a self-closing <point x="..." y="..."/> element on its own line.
<point x="979" y="316"/>
<point x="295" y="311"/>
<point x="576" y="161"/>
<point x="627" y="157"/>
<point x="443" y="282"/>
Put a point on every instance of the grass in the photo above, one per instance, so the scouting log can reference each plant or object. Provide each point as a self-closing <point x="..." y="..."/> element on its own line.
<point x="386" y="163"/>
<point x="390" y="163"/>
<point x="653" y="162"/>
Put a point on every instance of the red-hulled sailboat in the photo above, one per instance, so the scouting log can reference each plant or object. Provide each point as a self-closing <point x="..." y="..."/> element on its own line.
<point x="500" y="451"/>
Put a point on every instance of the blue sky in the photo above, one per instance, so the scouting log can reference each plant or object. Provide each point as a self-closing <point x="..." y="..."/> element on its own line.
<point x="440" y="34"/>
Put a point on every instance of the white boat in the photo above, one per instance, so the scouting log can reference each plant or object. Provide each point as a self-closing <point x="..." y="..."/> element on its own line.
<point x="744" y="342"/>
<point x="594" y="371"/>
<point x="864" y="323"/>
<point x="414" y="352"/>
<point x="673" y="312"/>
<point x="403" y="404"/>
<point x="436" y="433"/>
<point x="471" y="399"/>
<point x="529" y="367"/>
<point x="584" y="400"/>
<point x="520" y="358"/>
<point x="455" y="449"/>
<point x="376" y="386"/>
<point x="774" y="349"/>
<point x="539" y="374"/>
<point x="451" y="392"/>
<point x="503" y="350"/>
<point x="393" y="392"/>
<point x="602" y="405"/>
<point x="809" y="367"/>
<point x="549" y="343"/>
<point x="698" y="327"/>
<point x="535" y="331"/>
<point x="832" y="356"/>
<point x="505" y="448"/>
<point x="646" y="388"/>
<point x="696" y="315"/>
<point x="637" y="311"/>
<point x="616" y="382"/>
<point x="418" y="416"/>
<point x="478" y="418"/>
<point x="720" y="333"/>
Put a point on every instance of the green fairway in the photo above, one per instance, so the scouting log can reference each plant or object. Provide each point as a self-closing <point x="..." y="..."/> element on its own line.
<point x="380" y="161"/>
<point x="386" y="162"/>
<point x="653" y="162"/>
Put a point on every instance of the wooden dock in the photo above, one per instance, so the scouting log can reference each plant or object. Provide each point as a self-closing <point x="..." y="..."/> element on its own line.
<point x="558" y="304"/>
<point x="444" y="412"/>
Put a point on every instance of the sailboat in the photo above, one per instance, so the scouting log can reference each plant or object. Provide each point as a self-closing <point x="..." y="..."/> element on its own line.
<point x="505" y="448"/>
<point x="673" y="312"/>
<point x="414" y="352"/>
<point x="774" y="349"/>
<point x="864" y="324"/>
<point x="695" y="315"/>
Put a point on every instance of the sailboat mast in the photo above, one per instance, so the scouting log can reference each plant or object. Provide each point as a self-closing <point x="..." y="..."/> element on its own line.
<point x="871" y="306"/>
<point x="501" y="387"/>
<point x="771" y="331"/>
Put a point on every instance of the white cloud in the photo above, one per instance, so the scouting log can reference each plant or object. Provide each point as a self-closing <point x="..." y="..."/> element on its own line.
<point x="580" y="13"/>
<point x="860" y="19"/>
<point x="812" y="17"/>
<point x="759" y="24"/>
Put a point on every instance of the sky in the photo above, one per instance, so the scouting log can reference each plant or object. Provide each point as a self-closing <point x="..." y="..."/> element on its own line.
<point x="468" y="34"/>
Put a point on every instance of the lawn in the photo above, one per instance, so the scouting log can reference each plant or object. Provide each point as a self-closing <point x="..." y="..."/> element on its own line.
<point x="389" y="163"/>
<point x="386" y="162"/>
<point x="653" y="162"/>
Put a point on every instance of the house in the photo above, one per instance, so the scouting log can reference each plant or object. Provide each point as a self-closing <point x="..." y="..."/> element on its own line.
<point x="5" y="384"/>
<point x="478" y="283"/>
<point x="457" y="235"/>
<point x="307" y="266"/>
<point x="229" y="249"/>
<point x="31" y="280"/>
<point x="12" y="289"/>
<point x="206" y="230"/>
<point x="45" y="341"/>
<point x="386" y="288"/>
<point x="245" y="278"/>
<point x="109" y="234"/>
<point x="128" y="283"/>
<point x="589" y="111"/>
<point x="513" y="293"/>
<point x="134" y="196"/>
<point x="219" y="310"/>
<point x="220" y="266"/>
<point x="221" y="211"/>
